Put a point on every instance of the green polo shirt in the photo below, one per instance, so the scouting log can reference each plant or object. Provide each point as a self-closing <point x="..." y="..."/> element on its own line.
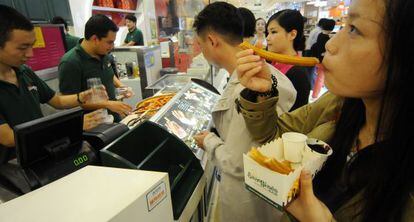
<point x="71" y="41"/>
<point x="19" y="104"/>
<point x="77" y="66"/>
<point x="136" y="36"/>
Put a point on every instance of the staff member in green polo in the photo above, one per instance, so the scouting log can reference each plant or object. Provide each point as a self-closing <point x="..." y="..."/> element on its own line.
<point x="21" y="91"/>
<point x="134" y="36"/>
<point x="71" y="41"/>
<point x="89" y="59"/>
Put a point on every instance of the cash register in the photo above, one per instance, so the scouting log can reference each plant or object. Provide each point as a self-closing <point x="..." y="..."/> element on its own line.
<point x="47" y="149"/>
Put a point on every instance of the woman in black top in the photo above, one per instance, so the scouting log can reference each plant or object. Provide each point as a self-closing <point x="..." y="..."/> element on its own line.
<point x="285" y="36"/>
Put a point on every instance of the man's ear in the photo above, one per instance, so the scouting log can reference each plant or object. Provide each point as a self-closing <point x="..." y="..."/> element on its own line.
<point x="93" y="38"/>
<point x="213" y="40"/>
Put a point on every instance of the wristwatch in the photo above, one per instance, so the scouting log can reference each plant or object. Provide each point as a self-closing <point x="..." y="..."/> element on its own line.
<point x="79" y="101"/>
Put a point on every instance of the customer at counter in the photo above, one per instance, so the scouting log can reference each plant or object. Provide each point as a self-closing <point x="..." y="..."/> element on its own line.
<point x="89" y="59"/>
<point x="134" y="36"/>
<point x="219" y="31"/>
<point x="71" y="41"/>
<point x="367" y="118"/>
<point x="21" y="90"/>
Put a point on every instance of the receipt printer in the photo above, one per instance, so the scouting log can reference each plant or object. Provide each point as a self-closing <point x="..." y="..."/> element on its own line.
<point x="103" y="134"/>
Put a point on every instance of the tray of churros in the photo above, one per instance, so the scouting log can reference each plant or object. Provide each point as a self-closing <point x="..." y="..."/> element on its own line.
<point x="153" y="104"/>
<point x="272" y="171"/>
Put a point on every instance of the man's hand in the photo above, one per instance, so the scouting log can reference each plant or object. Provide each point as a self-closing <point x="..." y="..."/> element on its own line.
<point x="199" y="138"/>
<point x="129" y="93"/>
<point x="87" y="95"/>
<point x="125" y="91"/>
<point x="253" y="72"/>
<point x="6" y="135"/>
<point x="92" y="119"/>
<point x="308" y="208"/>
<point x="121" y="108"/>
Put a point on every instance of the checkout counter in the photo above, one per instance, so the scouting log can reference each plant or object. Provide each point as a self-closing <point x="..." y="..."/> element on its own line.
<point x="92" y="193"/>
<point x="96" y="194"/>
<point x="155" y="145"/>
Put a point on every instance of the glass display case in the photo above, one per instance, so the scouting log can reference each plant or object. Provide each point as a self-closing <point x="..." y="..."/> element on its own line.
<point x="188" y="113"/>
<point x="172" y="83"/>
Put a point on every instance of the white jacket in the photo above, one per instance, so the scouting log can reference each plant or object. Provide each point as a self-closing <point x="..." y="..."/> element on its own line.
<point x="226" y="152"/>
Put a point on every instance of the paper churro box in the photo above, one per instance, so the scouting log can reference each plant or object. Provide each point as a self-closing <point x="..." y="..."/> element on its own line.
<point x="278" y="189"/>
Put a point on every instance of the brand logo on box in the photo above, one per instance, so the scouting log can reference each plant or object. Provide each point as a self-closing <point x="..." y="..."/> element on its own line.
<point x="156" y="196"/>
<point x="262" y="184"/>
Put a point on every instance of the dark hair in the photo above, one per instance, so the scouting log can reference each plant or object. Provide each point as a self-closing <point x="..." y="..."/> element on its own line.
<point x="99" y="25"/>
<point x="11" y="19"/>
<point x="388" y="180"/>
<point x="131" y="18"/>
<point x="322" y="21"/>
<point x="328" y="25"/>
<point x="59" y="20"/>
<point x="249" y="22"/>
<point x="290" y="20"/>
<point x="222" y="18"/>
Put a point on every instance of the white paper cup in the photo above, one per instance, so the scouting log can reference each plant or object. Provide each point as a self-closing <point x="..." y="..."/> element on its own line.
<point x="293" y="146"/>
<point x="314" y="160"/>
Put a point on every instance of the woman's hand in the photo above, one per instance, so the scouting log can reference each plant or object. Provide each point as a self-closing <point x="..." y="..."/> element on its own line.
<point x="253" y="71"/>
<point x="308" y="208"/>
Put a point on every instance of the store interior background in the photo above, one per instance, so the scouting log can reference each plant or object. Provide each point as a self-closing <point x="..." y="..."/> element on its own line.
<point x="169" y="48"/>
<point x="168" y="24"/>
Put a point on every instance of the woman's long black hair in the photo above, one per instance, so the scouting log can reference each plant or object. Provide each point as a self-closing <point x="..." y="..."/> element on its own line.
<point x="290" y="20"/>
<point x="388" y="184"/>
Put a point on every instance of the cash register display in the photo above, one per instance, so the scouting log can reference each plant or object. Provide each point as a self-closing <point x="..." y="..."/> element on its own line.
<point x="49" y="137"/>
<point x="190" y="114"/>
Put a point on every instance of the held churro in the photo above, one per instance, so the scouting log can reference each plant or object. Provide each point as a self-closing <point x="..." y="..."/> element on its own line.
<point x="270" y="163"/>
<point x="286" y="59"/>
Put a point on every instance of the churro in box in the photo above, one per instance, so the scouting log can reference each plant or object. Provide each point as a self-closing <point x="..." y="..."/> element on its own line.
<point x="272" y="171"/>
